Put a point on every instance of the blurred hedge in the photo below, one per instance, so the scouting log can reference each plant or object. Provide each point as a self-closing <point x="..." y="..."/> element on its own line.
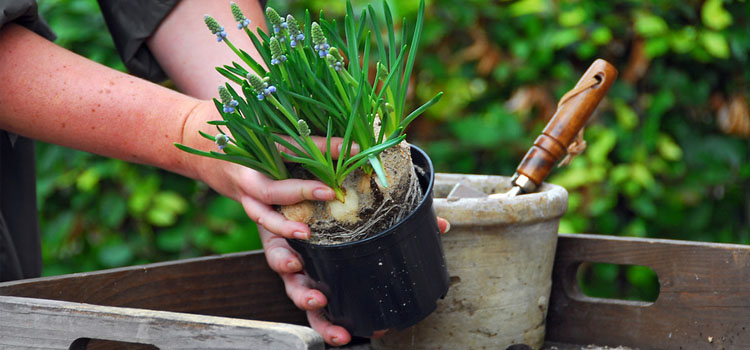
<point x="668" y="155"/>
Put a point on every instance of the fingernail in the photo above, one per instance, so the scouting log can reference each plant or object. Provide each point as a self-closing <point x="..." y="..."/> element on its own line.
<point x="336" y="340"/>
<point x="312" y="303"/>
<point x="323" y="194"/>
<point x="293" y="265"/>
<point x="447" y="227"/>
<point x="300" y="235"/>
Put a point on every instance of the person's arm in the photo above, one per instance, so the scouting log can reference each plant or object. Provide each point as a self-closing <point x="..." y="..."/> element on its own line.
<point x="51" y="94"/>
<point x="188" y="52"/>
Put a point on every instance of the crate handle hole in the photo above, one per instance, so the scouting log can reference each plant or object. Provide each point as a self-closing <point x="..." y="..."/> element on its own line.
<point x="101" y="344"/>
<point x="630" y="283"/>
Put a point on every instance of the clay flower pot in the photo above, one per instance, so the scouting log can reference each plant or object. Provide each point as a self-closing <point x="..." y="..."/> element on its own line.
<point x="500" y="254"/>
<point x="390" y="280"/>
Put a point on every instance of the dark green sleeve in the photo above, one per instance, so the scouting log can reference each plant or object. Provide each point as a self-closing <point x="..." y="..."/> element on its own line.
<point x="131" y="22"/>
<point x="20" y="239"/>
<point x="24" y="12"/>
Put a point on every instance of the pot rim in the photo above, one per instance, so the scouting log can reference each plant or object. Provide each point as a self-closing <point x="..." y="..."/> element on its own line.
<point x="426" y="196"/>
<point x="550" y="202"/>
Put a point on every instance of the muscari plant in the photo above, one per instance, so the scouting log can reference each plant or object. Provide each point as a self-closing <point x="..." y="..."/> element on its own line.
<point x="311" y="81"/>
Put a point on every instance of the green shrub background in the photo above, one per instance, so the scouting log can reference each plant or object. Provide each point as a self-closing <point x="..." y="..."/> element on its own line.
<point x="658" y="163"/>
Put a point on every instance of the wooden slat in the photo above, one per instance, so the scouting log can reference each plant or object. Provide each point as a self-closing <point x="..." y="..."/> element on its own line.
<point x="28" y="323"/>
<point x="705" y="292"/>
<point x="704" y="302"/>
<point x="235" y="285"/>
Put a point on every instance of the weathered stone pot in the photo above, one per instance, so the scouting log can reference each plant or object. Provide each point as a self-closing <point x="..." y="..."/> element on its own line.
<point x="499" y="254"/>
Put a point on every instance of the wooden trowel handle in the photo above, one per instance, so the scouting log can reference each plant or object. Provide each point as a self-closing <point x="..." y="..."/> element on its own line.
<point x="572" y="113"/>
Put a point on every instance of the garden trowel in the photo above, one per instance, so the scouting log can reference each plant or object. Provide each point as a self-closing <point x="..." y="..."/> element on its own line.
<point x="563" y="134"/>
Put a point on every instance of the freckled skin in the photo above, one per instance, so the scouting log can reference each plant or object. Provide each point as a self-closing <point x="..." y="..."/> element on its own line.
<point x="27" y="61"/>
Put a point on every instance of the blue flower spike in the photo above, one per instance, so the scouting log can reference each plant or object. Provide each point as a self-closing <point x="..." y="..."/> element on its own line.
<point x="335" y="60"/>
<point x="227" y="100"/>
<point x="261" y="87"/>
<point x="319" y="40"/>
<point x="276" y="21"/>
<point x="215" y="27"/>
<point x="242" y="21"/>
<point x="295" y="34"/>
<point x="221" y="141"/>
<point x="277" y="56"/>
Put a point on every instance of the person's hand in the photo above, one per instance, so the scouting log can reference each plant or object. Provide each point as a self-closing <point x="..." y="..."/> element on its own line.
<point x="287" y="263"/>
<point x="258" y="194"/>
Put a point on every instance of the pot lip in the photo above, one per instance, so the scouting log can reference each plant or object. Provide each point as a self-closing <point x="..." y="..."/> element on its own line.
<point x="545" y="190"/>
<point x="549" y="202"/>
<point x="427" y="196"/>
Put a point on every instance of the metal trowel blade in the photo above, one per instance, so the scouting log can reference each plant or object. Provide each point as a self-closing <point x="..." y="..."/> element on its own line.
<point x="464" y="190"/>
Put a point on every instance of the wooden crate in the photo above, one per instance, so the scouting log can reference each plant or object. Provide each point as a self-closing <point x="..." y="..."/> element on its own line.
<point x="236" y="302"/>
<point x="703" y="303"/>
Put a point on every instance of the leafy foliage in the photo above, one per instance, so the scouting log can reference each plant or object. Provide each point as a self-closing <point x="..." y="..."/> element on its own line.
<point x="660" y="161"/>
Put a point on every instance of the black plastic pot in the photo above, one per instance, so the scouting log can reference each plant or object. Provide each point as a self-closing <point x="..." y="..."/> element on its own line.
<point x="390" y="280"/>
